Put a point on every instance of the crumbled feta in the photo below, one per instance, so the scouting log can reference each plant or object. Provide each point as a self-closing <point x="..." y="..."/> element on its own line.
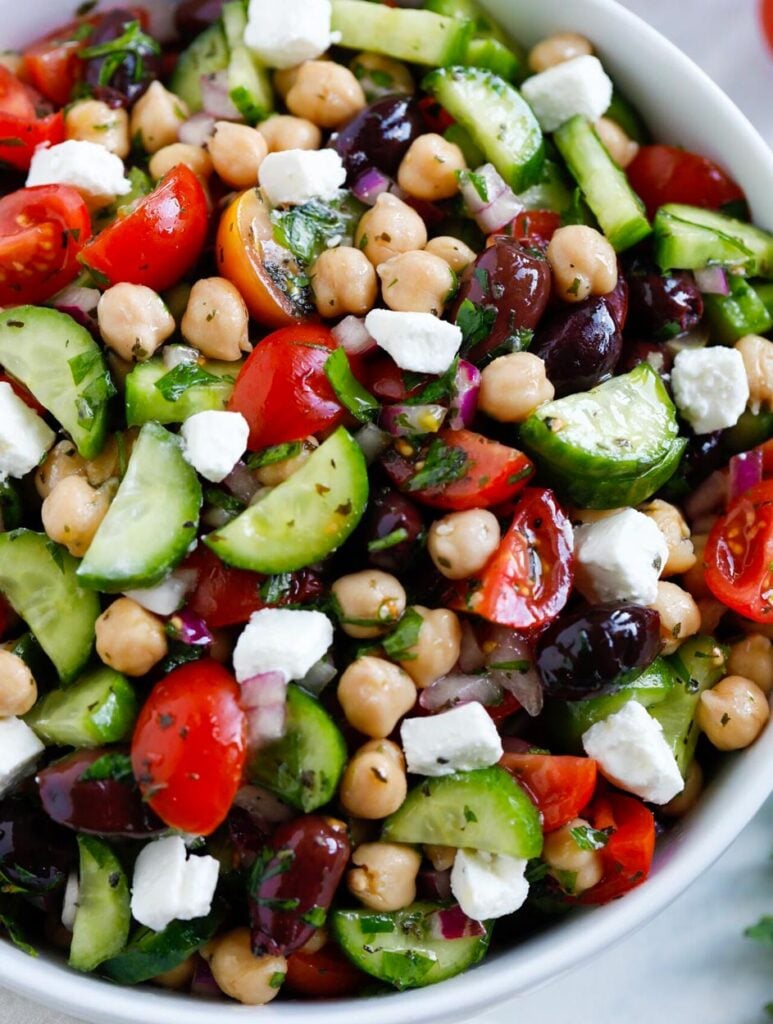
<point x="214" y="441"/>
<point x="288" y="33"/>
<point x="711" y="388"/>
<point x="295" y="176"/>
<point x="19" y="751"/>
<point x="170" y="886"/>
<point x="282" y="640"/>
<point x="488" y="885"/>
<point x="86" y="166"/>
<point x="620" y="558"/>
<point x="72" y="892"/>
<point x="578" y="86"/>
<point x="454" y="741"/>
<point x="24" y="436"/>
<point x="632" y="753"/>
<point x="167" y="596"/>
<point x="419" y="342"/>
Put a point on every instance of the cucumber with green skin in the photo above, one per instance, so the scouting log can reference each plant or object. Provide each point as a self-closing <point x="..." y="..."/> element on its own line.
<point x="63" y="367"/>
<point x="249" y="83"/>
<point x="99" y="708"/>
<point x="402" y="948"/>
<point x="420" y="37"/>
<point x="150" y="953"/>
<point x="206" y="55"/>
<point x="690" y="238"/>
<point x="741" y="312"/>
<point x="145" y="402"/>
<point x="103" y="917"/>
<point x="39" y="580"/>
<point x="10" y="506"/>
<point x="551" y="192"/>
<point x="752" y="429"/>
<point x="764" y="290"/>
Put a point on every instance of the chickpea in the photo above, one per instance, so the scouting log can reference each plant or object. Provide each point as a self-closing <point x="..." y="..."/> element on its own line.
<point x="558" y="49"/>
<point x="277" y="472"/>
<point x="195" y="157"/>
<point x="456" y="254"/>
<point x="325" y="93"/>
<point x="385" y="875"/>
<point x="684" y="802"/>
<point x="156" y="118"/>
<point x="440" y="857"/>
<point x="113" y="457"/>
<point x="694" y="577"/>
<point x="711" y="612"/>
<point x="133" y="320"/>
<point x="374" y="695"/>
<point x="282" y="131"/>
<point x="416" y="282"/>
<point x="583" y="263"/>
<point x="513" y="386"/>
<point x="285" y="79"/>
<point x="461" y="543"/>
<point x="237" y="151"/>
<point x="381" y="76"/>
<point x="62" y="461"/>
<point x="671" y="523"/>
<point x="18" y="689"/>
<point x="374" y="783"/>
<point x="369" y="602"/>
<point x="733" y="713"/>
<point x="389" y="228"/>
<point x="574" y="869"/>
<point x="429" y="168"/>
<point x="319" y="938"/>
<point x="249" y="979"/>
<point x="757" y="355"/>
<point x="73" y="512"/>
<point x="95" y="121"/>
<point x="680" y="616"/>
<point x="216" y="319"/>
<point x="752" y="658"/>
<point x="178" y="978"/>
<point x="343" y="281"/>
<point x="129" y="638"/>
<point x="617" y="142"/>
<point x="437" y="647"/>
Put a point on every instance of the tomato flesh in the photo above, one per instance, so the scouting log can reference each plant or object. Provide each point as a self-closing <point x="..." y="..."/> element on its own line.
<point x="21" y="130"/>
<point x="766" y="14"/>
<point x="534" y="228"/>
<point x="324" y="973"/>
<point x="561" y="786"/>
<point x="665" y="174"/>
<point x="189" y="747"/>
<point x="627" y="856"/>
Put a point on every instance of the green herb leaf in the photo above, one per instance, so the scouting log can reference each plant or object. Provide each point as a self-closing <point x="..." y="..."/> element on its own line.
<point x="442" y="387"/>
<point x="406" y="968"/>
<point x="315" y="917"/>
<point x="307" y="230"/>
<point x="475" y="322"/>
<point x="13" y="930"/>
<point x="187" y="375"/>
<point x="374" y="924"/>
<point x="477" y="181"/>
<point x="390" y="541"/>
<point x="360" y="403"/>
<point x="274" y="589"/>
<point x="399" y="643"/>
<point x="218" y="498"/>
<point x="276" y="453"/>
<point x="587" y="838"/>
<point x="130" y="48"/>
<point x="109" y="766"/>
<point x="762" y="931"/>
<point x="443" y="464"/>
<point x="277" y="979"/>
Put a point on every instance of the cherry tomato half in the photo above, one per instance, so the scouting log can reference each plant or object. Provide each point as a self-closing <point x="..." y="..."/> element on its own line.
<point x="628" y="853"/>
<point x="324" y="973"/>
<point x="665" y="174"/>
<point x="21" y="130"/>
<point x="189" y="747"/>
<point x="561" y="786"/>
<point x="534" y="228"/>
<point x="42" y="230"/>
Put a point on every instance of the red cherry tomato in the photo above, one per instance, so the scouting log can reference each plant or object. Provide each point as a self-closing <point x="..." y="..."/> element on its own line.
<point x="282" y="390"/>
<point x="665" y="174"/>
<point x="534" y="228"/>
<point x="560" y="786"/>
<point x="739" y="554"/>
<point x="21" y="130"/>
<point x="26" y="396"/>
<point x="527" y="581"/>
<point x="766" y="13"/>
<point x="189" y="747"/>
<point x="158" y="242"/>
<point x="384" y="378"/>
<point x="436" y="117"/>
<point x="628" y="853"/>
<point x="324" y="973"/>
<point x="42" y="230"/>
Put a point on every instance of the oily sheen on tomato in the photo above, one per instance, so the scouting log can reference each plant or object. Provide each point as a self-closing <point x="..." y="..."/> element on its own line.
<point x="560" y="785"/>
<point x="627" y="855"/>
<point x="282" y="390"/>
<point x="189" y="747"/>
<point x="21" y="130"/>
<point x="666" y="174"/>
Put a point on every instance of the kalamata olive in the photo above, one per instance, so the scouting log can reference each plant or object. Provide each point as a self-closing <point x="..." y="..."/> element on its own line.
<point x="35" y="854"/>
<point x="108" y="806"/>
<point x="389" y="512"/>
<point x="662" y="306"/>
<point x="134" y="62"/>
<point x="660" y="357"/>
<point x="617" y="302"/>
<point x="193" y="16"/>
<point x="293" y="882"/>
<point x="595" y="650"/>
<point x="580" y="346"/>
<point x="509" y="289"/>
<point x="379" y="136"/>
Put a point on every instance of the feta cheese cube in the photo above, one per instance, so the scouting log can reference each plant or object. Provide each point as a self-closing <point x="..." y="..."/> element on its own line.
<point x="295" y="176"/>
<point x="168" y="595"/>
<point x="288" y="33"/>
<point x="632" y="753"/>
<point x="419" y="342"/>
<point x="72" y="893"/>
<point x="711" y="388"/>
<point x="170" y="886"/>
<point x="578" y="86"/>
<point x="213" y="442"/>
<point x="454" y="741"/>
<point x="620" y="558"/>
<point x="86" y="166"/>
<point x="282" y="640"/>
<point x="488" y="885"/>
<point x="19" y="751"/>
<point x="24" y="436"/>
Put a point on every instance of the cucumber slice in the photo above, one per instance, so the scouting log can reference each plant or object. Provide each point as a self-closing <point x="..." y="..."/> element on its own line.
<point x="552" y="191"/>
<point x="39" y="580"/>
<point x="249" y="85"/>
<point x="11" y="512"/>
<point x="741" y="312"/>
<point x="765" y="292"/>
<point x="207" y="54"/>
<point x="753" y="242"/>
<point x="100" y="708"/>
<point x="420" y="37"/>
<point x="612" y="446"/>
<point x="145" y="402"/>
<point x="619" y="211"/>
<point x="496" y="57"/>
<point x="461" y="137"/>
<point x="482" y="810"/>
<point x="306" y="765"/>
<point x="150" y="525"/>
<point x="490" y="47"/>
<point x="402" y="948"/>
<point x="752" y="429"/>
<point x="63" y="367"/>
<point x="682" y="245"/>
<point x="500" y="122"/>
<point x="305" y="518"/>
<point x="102" y="921"/>
<point x="141" y="185"/>
<point x="149" y="953"/>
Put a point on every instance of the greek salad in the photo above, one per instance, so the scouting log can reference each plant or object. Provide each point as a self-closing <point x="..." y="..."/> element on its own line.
<point x="386" y="491"/>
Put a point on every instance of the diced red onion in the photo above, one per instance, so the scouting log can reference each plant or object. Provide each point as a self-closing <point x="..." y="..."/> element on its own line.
<point x="407" y="420"/>
<point x="471" y="656"/>
<point x="745" y="472"/>
<point x="79" y="303"/>
<point x="370" y="185"/>
<point x="506" y="646"/>
<point x="372" y="441"/>
<point x="215" y="98"/>
<point x="464" y="403"/>
<point x="353" y="337"/>
<point x="435" y="885"/>
<point x="452" y="923"/>
<point x="264" y="700"/>
<point x="263" y="805"/>
<point x="499" y="207"/>
<point x="197" y="130"/>
<point x="452" y="690"/>
<point x="241" y="483"/>
<point x="713" y="281"/>
<point x="708" y="496"/>
<point x="178" y="355"/>
<point x="190" y="629"/>
<point x="319" y="675"/>
<point x="203" y="984"/>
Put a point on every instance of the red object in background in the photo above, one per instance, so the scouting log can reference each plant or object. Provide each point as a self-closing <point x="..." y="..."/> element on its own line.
<point x="560" y="785"/>
<point x="666" y="174"/>
<point x="766" y="14"/>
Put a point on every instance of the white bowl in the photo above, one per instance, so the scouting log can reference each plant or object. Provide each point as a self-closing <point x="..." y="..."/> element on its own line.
<point x="685" y="107"/>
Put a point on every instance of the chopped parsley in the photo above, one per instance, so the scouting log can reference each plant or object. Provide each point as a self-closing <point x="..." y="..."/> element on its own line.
<point x="587" y="838"/>
<point x="442" y="464"/>
<point x="308" y="230"/>
<point x="438" y="389"/>
<point x="477" y="181"/>
<point x="475" y="321"/>
<point x="390" y="541"/>
<point x="109" y="766"/>
<point x="174" y="384"/>
<point x="359" y="401"/>
<point x="276" y="453"/>
<point x="398" y="645"/>
<point x="130" y="48"/>
<point x="762" y="931"/>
